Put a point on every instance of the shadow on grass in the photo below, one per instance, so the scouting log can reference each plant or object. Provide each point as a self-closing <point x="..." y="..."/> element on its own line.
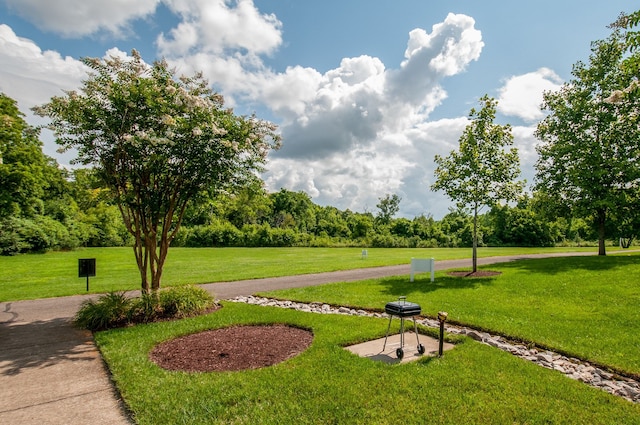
<point x="400" y="286"/>
<point x="564" y="264"/>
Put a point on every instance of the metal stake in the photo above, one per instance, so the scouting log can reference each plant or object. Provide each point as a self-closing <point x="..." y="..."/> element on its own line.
<point x="442" y="317"/>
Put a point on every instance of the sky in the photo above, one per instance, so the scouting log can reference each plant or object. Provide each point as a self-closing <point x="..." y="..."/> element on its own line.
<point x="365" y="92"/>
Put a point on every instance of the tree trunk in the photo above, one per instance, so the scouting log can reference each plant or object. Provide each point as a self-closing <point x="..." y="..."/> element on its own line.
<point x="475" y="239"/>
<point x="602" y="218"/>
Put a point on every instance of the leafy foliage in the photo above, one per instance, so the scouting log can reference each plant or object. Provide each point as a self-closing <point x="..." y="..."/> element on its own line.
<point x="588" y="158"/>
<point x="108" y="311"/>
<point x="116" y="309"/>
<point x="157" y="142"/>
<point x="481" y="172"/>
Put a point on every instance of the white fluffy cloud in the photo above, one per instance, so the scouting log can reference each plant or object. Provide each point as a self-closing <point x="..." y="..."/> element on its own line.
<point x="215" y="26"/>
<point x="32" y="75"/>
<point x="364" y="131"/>
<point x="521" y="95"/>
<point x="72" y="18"/>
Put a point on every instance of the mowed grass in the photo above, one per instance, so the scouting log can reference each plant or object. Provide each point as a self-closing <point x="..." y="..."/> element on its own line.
<point x="471" y="384"/>
<point x="588" y="307"/>
<point x="55" y="274"/>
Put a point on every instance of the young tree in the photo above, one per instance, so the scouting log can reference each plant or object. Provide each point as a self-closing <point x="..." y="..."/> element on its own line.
<point x="589" y="152"/>
<point x="481" y="173"/>
<point x="389" y="205"/>
<point x="156" y="141"/>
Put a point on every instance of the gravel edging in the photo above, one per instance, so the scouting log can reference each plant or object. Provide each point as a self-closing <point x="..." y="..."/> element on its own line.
<point x="573" y="368"/>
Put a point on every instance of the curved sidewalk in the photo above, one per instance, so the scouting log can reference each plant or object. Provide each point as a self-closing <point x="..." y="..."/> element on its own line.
<point x="52" y="373"/>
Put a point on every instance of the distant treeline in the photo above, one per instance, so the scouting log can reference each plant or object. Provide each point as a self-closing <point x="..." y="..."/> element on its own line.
<point x="45" y="207"/>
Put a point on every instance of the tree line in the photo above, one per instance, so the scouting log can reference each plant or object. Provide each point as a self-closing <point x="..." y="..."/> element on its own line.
<point x="45" y="207"/>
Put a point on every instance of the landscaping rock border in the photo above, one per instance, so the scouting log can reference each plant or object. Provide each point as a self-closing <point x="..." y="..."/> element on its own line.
<point x="577" y="369"/>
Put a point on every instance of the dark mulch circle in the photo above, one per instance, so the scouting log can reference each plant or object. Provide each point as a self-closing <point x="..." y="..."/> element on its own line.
<point x="231" y="349"/>
<point x="479" y="273"/>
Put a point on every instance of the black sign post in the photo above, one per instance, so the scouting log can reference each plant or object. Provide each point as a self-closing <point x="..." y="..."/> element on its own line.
<point x="86" y="268"/>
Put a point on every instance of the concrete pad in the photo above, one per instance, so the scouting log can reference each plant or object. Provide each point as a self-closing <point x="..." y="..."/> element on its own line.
<point x="373" y="349"/>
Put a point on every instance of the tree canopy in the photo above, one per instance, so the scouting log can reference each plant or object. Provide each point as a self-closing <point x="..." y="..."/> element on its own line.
<point x="589" y="155"/>
<point x="481" y="172"/>
<point x="25" y="172"/>
<point x="156" y="141"/>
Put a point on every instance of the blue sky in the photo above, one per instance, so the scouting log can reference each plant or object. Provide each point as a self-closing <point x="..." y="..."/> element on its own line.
<point x="365" y="92"/>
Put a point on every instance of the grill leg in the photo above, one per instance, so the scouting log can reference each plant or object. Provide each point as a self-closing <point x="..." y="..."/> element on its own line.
<point x="402" y="332"/>
<point x="415" y="329"/>
<point x="385" y="337"/>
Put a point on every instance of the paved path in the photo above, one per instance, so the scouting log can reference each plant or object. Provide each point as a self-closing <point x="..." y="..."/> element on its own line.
<point x="52" y="373"/>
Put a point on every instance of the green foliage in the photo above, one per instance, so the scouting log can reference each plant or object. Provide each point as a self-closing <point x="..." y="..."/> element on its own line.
<point x="157" y="142"/>
<point x="108" y="311"/>
<point x="388" y="206"/>
<point x="27" y="176"/>
<point x="184" y="301"/>
<point x="37" y="234"/>
<point x="144" y="309"/>
<point x="292" y="210"/>
<point x="589" y="153"/>
<point x="519" y="226"/>
<point x="211" y="235"/>
<point x="631" y="36"/>
<point x="481" y="173"/>
<point x="116" y="309"/>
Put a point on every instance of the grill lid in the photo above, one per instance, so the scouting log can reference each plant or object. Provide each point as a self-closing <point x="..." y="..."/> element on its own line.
<point x="402" y="308"/>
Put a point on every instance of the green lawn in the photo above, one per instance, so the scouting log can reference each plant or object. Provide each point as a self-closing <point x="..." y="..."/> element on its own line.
<point x="55" y="274"/>
<point x="471" y="384"/>
<point x="583" y="306"/>
<point x="587" y="307"/>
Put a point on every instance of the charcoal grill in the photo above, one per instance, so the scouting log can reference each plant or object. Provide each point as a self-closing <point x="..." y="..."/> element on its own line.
<point x="403" y="309"/>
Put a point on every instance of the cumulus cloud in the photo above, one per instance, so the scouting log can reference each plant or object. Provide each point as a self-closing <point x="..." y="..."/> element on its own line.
<point x="31" y="75"/>
<point x="364" y="132"/>
<point x="358" y="103"/>
<point x="73" y="18"/>
<point x="216" y="26"/>
<point x="521" y="95"/>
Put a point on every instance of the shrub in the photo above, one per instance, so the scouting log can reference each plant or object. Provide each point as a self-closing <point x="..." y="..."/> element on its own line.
<point x="145" y="308"/>
<point x="183" y="301"/>
<point x="115" y="309"/>
<point x="108" y="311"/>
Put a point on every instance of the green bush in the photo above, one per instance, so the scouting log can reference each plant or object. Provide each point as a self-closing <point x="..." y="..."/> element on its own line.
<point x="37" y="234"/>
<point x="183" y="301"/>
<point x="108" y="311"/>
<point x="115" y="309"/>
<point x="145" y="308"/>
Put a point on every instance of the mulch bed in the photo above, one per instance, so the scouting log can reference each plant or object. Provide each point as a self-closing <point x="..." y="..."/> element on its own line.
<point x="231" y="349"/>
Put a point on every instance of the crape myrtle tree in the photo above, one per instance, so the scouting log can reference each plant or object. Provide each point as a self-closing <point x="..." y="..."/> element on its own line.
<point x="482" y="171"/>
<point x="157" y="142"/>
<point x="589" y="154"/>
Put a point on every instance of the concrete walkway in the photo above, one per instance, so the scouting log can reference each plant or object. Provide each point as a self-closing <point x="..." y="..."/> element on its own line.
<point x="52" y="373"/>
